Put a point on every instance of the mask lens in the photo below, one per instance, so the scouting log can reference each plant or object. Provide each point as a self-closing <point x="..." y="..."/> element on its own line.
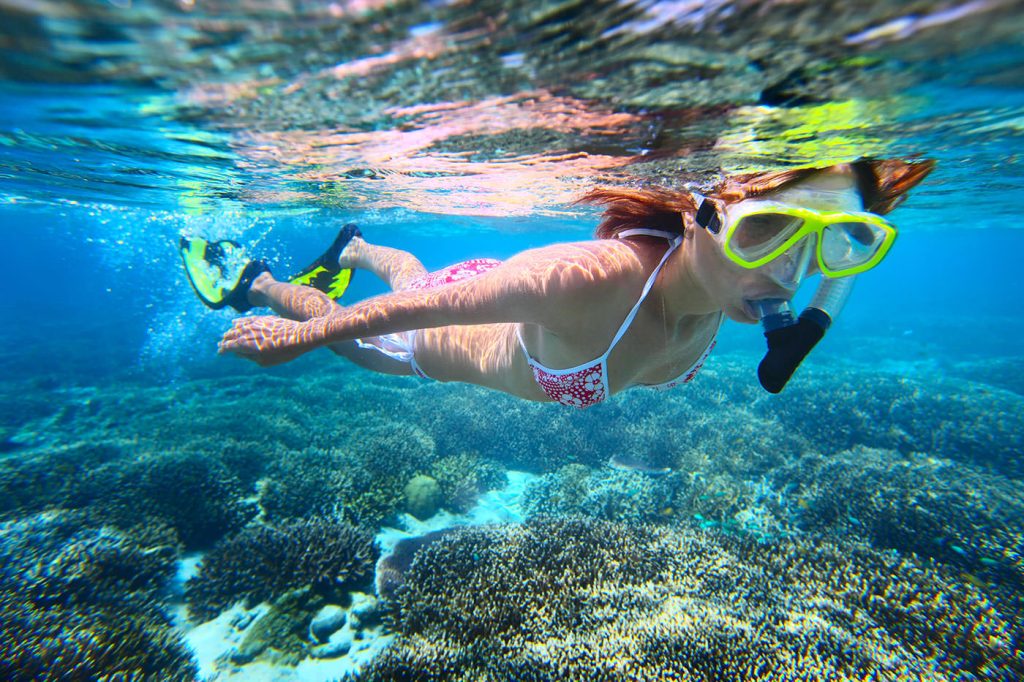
<point x="847" y="245"/>
<point x="756" y="236"/>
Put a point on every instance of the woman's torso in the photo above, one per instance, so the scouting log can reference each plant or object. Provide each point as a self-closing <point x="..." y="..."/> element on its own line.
<point x="655" y="347"/>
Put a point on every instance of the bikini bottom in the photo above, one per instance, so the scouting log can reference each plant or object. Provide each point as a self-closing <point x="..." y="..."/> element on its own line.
<point x="401" y="346"/>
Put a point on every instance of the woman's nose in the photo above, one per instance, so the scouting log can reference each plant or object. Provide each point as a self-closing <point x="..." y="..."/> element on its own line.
<point x="789" y="269"/>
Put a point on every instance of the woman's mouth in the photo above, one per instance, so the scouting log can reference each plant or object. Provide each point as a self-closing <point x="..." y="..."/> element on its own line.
<point x="765" y="304"/>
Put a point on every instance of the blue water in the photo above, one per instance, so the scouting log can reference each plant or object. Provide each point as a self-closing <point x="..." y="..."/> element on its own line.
<point x="131" y="453"/>
<point x="117" y="286"/>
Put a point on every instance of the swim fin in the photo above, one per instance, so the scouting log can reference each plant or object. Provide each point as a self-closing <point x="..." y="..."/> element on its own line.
<point x="324" y="274"/>
<point x="219" y="272"/>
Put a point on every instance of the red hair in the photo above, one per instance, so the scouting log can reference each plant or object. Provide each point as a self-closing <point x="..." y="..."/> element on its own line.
<point x="882" y="183"/>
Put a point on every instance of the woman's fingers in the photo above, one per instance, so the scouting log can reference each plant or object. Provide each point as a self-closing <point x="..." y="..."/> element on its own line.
<point x="235" y="339"/>
<point x="266" y="340"/>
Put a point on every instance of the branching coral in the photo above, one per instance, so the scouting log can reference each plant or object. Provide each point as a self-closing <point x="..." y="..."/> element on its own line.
<point x="953" y="513"/>
<point x="495" y="429"/>
<point x="129" y="640"/>
<point x="518" y="576"/>
<point x="32" y="483"/>
<point x="304" y="484"/>
<point x="263" y="562"/>
<point x="603" y="493"/>
<point x="364" y="477"/>
<point x="583" y="600"/>
<point x="156" y="488"/>
<point x="79" y="602"/>
<point x="961" y="421"/>
<point x="395" y="450"/>
<point x="380" y="462"/>
<point x="463" y="477"/>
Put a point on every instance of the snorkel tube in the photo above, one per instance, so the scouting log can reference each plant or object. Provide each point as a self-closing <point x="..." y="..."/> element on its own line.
<point x="791" y="338"/>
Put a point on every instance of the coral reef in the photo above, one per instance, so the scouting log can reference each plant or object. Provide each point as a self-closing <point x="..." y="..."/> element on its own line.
<point x="582" y="600"/>
<point x="361" y="478"/>
<point x="263" y="562"/>
<point x="110" y="455"/>
<point x="963" y="421"/>
<point x="954" y="513"/>
<point x="1002" y="372"/>
<point x="787" y="538"/>
<point x="721" y="424"/>
<point x="422" y="496"/>
<point x="380" y="462"/>
<point x="81" y="602"/>
<point x="22" y="402"/>
<point x="726" y="424"/>
<point x="496" y="430"/>
<point x="303" y="485"/>
<point x="611" y="494"/>
<point x="705" y="428"/>
<point x="397" y="450"/>
<point x="33" y="482"/>
<point x="464" y="476"/>
<point x="517" y="576"/>
<point x="155" y="489"/>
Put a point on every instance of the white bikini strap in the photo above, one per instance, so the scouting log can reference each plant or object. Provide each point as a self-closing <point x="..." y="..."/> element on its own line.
<point x="671" y="236"/>
<point x="676" y="240"/>
<point x="522" y="344"/>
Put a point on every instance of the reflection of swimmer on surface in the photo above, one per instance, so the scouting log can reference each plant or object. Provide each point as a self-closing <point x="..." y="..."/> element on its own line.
<point x="638" y="306"/>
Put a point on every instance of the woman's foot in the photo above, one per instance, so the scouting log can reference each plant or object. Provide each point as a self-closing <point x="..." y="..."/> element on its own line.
<point x="350" y="256"/>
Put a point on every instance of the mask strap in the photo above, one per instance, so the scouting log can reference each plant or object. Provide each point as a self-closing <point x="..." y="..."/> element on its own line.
<point x="707" y="214"/>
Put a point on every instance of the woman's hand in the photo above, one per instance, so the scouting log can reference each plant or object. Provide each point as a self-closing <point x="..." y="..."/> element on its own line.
<point x="267" y="340"/>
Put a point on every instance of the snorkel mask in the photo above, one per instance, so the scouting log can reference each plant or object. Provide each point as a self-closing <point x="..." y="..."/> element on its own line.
<point x="781" y="237"/>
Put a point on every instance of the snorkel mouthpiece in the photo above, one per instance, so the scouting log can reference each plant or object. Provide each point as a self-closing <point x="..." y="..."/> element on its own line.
<point x="775" y="314"/>
<point x="791" y="339"/>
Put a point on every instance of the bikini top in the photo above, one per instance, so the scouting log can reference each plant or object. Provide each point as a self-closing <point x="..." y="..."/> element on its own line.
<point x="587" y="384"/>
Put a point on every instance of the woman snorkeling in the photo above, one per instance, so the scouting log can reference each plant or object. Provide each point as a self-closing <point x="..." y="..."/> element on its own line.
<point x="574" y="323"/>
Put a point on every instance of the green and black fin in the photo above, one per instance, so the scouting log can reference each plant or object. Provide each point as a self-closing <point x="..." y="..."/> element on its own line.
<point x="324" y="274"/>
<point x="219" y="272"/>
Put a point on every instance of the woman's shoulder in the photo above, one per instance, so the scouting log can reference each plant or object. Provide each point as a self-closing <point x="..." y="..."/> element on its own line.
<point x="583" y="262"/>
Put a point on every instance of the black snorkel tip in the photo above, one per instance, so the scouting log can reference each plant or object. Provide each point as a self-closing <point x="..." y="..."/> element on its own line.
<point x="788" y="346"/>
<point x="790" y="339"/>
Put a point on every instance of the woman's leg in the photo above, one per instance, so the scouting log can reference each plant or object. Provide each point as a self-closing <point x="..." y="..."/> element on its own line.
<point x="394" y="266"/>
<point x="301" y="303"/>
<point x="289" y="300"/>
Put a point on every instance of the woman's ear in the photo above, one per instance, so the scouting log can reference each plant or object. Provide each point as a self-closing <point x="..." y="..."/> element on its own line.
<point x="689" y="226"/>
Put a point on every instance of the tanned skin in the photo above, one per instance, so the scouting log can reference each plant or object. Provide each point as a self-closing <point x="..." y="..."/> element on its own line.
<point x="567" y="300"/>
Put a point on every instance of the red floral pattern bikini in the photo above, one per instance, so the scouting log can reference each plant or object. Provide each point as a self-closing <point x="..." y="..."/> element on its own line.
<point x="580" y="386"/>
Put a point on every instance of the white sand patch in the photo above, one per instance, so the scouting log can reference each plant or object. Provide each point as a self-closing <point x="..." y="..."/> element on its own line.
<point x="495" y="506"/>
<point x="214" y="641"/>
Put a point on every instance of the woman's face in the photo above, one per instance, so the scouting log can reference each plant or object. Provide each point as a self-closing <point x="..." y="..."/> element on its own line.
<point x="736" y="290"/>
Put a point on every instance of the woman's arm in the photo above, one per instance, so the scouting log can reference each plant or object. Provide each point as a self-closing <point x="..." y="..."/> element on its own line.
<point x="549" y="286"/>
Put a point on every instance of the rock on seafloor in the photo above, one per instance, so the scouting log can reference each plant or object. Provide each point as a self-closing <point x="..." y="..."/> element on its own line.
<point x="326" y="622"/>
